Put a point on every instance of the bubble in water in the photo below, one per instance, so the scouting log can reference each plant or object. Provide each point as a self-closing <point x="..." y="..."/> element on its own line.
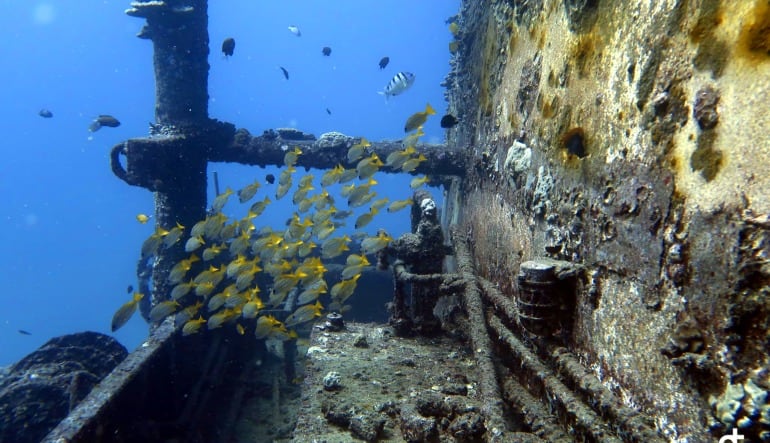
<point x="30" y="220"/>
<point x="43" y="14"/>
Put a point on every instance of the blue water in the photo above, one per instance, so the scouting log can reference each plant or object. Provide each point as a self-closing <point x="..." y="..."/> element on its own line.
<point x="70" y="240"/>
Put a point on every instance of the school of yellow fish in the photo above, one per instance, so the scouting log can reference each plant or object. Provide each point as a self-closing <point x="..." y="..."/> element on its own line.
<point x="240" y="276"/>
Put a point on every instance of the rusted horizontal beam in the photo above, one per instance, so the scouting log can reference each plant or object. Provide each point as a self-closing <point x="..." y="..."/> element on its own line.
<point x="159" y="160"/>
<point x="403" y="275"/>
<point x="328" y="151"/>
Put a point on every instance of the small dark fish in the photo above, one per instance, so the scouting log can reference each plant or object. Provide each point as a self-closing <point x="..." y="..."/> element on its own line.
<point x="45" y="113"/>
<point x="327" y="51"/>
<point x="448" y="121"/>
<point x="285" y="72"/>
<point x="384" y="62"/>
<point x="328" y="111"/>
<point x="108" y="120"/>
<point x="103" y="120"/>
<point x="270" y="178"/>
<point x="23" y="332"/>
<point x="130" y="289"/>
<point x="228" y="46"/>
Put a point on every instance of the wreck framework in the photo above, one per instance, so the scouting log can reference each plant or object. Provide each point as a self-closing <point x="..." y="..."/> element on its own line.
<point x="525" y="372"/>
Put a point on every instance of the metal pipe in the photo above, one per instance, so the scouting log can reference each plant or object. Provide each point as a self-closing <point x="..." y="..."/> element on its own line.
<point x="631" y="422"/>
<point x="585" y="420"/>
<point x="482" y="345"/>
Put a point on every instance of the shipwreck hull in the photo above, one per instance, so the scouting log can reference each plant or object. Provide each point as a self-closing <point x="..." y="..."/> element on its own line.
<point x="607" y="205"/>
<point x="628" y="138"/>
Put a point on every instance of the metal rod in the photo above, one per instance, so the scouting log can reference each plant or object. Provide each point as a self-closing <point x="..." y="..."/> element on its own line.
<point x="482" y="345"/>
<point x="402" y="274"/>
<point x="538" y="419"/>
<point x="502" y="303"/>
<point x="630" y="421"/>
<point x="585" y="420"/>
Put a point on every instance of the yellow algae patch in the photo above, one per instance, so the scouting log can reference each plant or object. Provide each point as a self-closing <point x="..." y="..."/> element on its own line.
<point x="754" y="39"/>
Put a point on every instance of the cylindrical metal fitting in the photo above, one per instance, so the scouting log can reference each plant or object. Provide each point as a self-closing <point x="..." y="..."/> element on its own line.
<point x="538" y="300"/>
<point x="334" y="321"/>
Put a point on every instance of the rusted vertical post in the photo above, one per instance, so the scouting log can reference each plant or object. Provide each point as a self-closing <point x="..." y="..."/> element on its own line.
<point x="183" y="203"/>
<point x="179" y="33"/>
<point x="173" y="163"/>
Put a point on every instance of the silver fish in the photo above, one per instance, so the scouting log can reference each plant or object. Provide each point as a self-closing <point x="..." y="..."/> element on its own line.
<point x="398" y="84"/>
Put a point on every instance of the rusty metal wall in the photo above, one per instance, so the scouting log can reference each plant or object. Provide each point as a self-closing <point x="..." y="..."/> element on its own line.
<point x="628" y="137"/>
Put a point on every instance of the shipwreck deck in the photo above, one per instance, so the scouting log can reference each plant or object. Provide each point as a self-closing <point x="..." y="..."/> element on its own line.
<point x="388" y="386"/>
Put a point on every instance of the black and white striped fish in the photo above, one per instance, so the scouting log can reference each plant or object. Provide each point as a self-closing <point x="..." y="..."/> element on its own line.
<point x="398" y="84"/>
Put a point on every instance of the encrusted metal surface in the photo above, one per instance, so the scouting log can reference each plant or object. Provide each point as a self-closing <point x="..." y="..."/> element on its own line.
<point x="629" y="138"/>
<point x="93" y="412"/>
